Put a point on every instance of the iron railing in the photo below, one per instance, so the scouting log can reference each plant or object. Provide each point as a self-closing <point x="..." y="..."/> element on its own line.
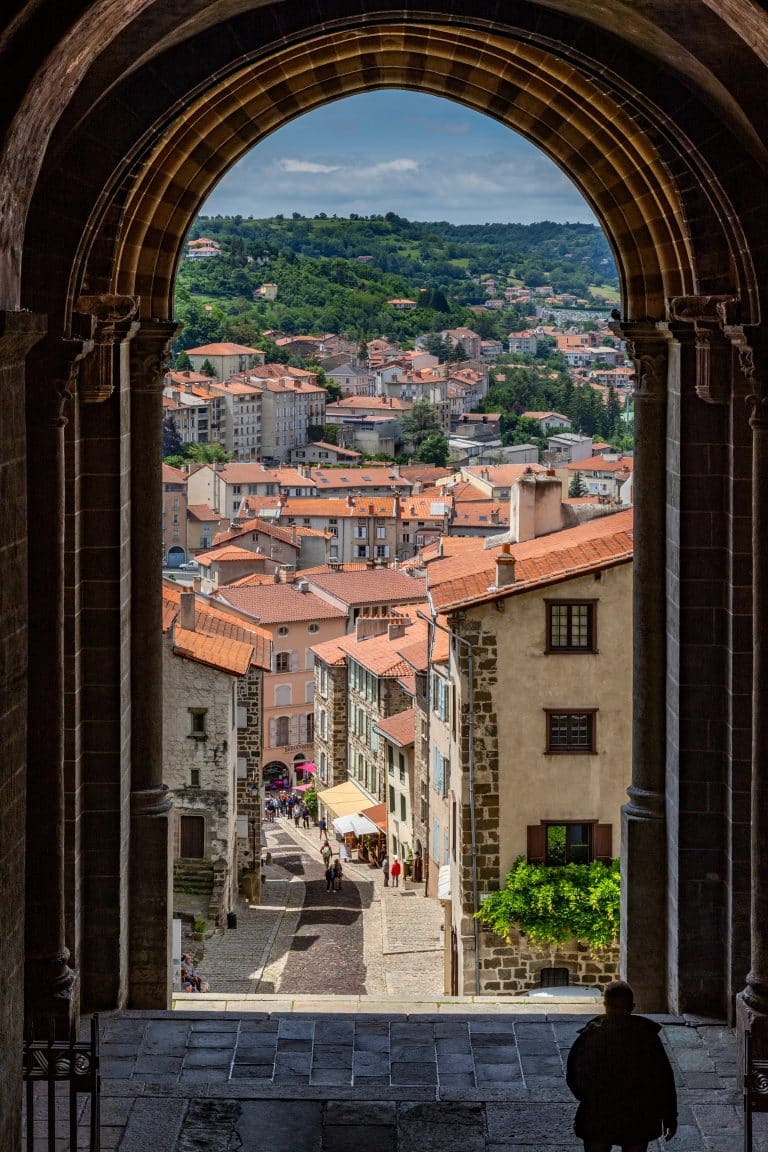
<point x="56" y="1073"/>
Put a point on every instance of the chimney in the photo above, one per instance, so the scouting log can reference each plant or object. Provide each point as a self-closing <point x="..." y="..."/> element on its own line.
<point x="505" y="567"/>
<point x="396" y="630"/>
<point x="187" y="611"/>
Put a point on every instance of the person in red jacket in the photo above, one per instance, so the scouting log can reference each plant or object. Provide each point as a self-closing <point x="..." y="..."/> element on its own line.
<point x="395" y="869"/>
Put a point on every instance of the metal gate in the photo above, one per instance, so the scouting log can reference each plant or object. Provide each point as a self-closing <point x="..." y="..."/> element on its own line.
<point x="61" y="1071"/>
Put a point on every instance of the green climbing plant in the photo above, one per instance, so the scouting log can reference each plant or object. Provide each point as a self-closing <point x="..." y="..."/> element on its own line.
<point x="310" y="799"/>
<point x="551" y="905"/>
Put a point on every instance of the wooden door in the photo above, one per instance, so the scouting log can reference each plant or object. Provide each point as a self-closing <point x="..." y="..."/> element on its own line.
<point x="192" y="837"/>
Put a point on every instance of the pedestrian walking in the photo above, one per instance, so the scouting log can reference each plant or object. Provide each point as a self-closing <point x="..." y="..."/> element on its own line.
<point x="297" y="814"/>
<point x="385" y="868"/>
<point x="337" y="875"/>
<point x="619" y="1072"/>
<point x="326" y="853"/>
<point x="305" y="815"/>
<point x="329" y="878"/>
<point x="323" y="828"/>
<point x="395" y="869"/>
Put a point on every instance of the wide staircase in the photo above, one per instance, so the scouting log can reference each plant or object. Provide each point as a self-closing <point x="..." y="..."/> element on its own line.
<point x="193" y="877"/>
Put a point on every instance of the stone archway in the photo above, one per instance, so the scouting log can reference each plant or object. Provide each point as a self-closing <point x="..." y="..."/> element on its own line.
<point x="116" y="127"/>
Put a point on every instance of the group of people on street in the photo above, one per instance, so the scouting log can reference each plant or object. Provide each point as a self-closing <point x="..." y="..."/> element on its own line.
<point x="391" y="869"/>
<point x="288" y="804"/>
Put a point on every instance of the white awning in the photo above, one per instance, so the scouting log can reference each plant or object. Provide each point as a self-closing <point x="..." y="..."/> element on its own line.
<point x="354" y="822"/>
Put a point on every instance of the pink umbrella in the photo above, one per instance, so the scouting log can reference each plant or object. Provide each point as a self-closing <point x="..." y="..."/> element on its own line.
<point x="303" y="787"/>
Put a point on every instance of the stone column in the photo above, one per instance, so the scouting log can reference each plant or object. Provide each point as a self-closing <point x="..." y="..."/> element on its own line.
<point x="50" y="983"/>
<point x="151" y="896"/>
<point x="752" y="1002"/>
<point x="104" y="619"/>
<point x="643" y="830"/>
<point x="19" y="332"/>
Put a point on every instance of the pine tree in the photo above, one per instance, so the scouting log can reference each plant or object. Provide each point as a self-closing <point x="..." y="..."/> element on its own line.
<point x="172" y="442"/>
<point x="577" y="487"/>
<point x="182" y="363"/>
<point x="207" y="368"/>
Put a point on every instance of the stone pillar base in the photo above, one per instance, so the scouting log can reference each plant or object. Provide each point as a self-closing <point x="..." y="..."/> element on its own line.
<point x="52" y="996"/>
<point x="643" y="907"/>
<point x="151" y="900"/>
<point x="752" y="1020"/>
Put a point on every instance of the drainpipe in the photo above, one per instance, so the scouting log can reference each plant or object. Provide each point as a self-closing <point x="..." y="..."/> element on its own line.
<point x="454" y="636"/>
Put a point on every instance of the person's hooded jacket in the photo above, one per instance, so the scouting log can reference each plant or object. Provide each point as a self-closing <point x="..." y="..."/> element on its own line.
<point x="621" y="1076"/>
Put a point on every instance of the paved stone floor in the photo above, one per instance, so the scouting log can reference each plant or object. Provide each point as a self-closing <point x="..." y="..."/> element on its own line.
<point x="366" y="940"/>
<point x="461" y="1078"/>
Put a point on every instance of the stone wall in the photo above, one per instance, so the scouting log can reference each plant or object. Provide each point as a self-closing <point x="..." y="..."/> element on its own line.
<point x="250" y="692"/>
<point x="188" y="684"/>
<point x="334" y="703"/>
<point x="514" y="965"/>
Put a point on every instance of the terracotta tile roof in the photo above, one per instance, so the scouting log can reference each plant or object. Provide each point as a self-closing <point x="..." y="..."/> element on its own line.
<point x="280" y="603"/>
<point x="263" y="527"/>
<point x="399" y="729"/>
<point x="599" y="464"/>
<point x="384" y="656"/>
<point x="480" y="513"/>
<point x="252" y="578"/>
<point x="363" y="477"/>
<point x="469" y="578"/>
<point x="329" y="652"/>
<point x="377" y="403"/>
<point x="501" y="475"/>
<point x="217" y="651"/>
<point x="255" y="473"/>
<point x="323" y="569"/>
<point x="223" y="350"/>
<point x="425" y="508"/>
<point x="313" y="532"/>
<point x="173" y="475"/>
<point x="227" y="553"/>
<point x="368" y="585"/>
<point x="202" y="512"/>
<point x="383" y="506"/>
<point x="542" y="415"/>
<point x="335" y="448"/>
<point x="408" y="683"/>
<point x="219" y="627"/>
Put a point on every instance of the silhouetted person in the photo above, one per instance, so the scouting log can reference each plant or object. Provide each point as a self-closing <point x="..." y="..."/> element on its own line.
<point x="619" y="1072"/>
<point x="329" y="878"/>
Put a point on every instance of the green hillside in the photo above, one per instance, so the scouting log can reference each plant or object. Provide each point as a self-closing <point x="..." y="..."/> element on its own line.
<point x="335" y="275"/>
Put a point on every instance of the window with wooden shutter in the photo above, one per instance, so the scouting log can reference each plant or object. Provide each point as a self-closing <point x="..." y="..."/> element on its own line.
<point x="294" y="730"/>
<point x="537" y="843"/>
<point x="273" y="733"/>
<point x="294" y="661"/>
<point x="602" y="842"/>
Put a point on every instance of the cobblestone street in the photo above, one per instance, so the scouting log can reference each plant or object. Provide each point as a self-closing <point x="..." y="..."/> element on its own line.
<point x="366" y="940"/>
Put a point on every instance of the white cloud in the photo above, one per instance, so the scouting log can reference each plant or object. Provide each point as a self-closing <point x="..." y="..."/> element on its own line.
<point x="307" y="166"/>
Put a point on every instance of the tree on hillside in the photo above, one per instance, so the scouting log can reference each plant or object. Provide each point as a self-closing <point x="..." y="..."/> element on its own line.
<point x="458" y="352"/>
<point x="433" y="450"/>
<point x="207" y="368"/>
<point x="207" y="453"/>
<point x="577" y="487"/>
<point x="182" y="363"/>
<point x="421" y="422"/>
<point x="172" y="442"/>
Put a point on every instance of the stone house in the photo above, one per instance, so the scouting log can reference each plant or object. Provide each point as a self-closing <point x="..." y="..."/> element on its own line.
<point x="212" y="672"/>
<point x="330" y="714"/>
<point x="296" y="619"/>
<point x="380" y="659"/>
<point x="396" y="753"/>
<point x="545" y="703"/>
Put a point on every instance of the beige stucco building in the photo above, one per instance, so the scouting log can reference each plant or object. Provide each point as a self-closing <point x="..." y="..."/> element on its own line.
<point x="546" y="713"/>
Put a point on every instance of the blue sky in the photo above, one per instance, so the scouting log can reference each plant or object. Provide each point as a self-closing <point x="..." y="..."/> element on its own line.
<point x="420" y="156"/>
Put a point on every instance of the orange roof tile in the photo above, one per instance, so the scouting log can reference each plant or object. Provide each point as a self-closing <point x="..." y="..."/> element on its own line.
<point x="228" y="553"/>
<point x="279" y="603"/>
<point x="471" y="577"/>
<point x="398" y="729"/>
<point x="214" y="621"/>
<point x="329" y="652"/>
<point x="202" y="512"/>
<point x="600" y="464"/>
<point x="223" y="350"/>
<point x="384" y="656"/>
<point x="173" y="475"/>
<point x="368" y="585"/>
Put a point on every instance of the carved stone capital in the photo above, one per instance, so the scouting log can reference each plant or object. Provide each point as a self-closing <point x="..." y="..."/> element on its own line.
<point x="112" y="321"/>
<point x="19" y="332"/>
<point x="648" y="348"/>
<point x="54" y="365"/>
<point x="150" y="354"/>
<point x="752" y="350"/>
<point x="704" y="319"/>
